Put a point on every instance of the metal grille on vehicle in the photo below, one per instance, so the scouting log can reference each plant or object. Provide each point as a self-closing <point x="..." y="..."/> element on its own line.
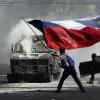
<point x="43" y="61"/>
<point x="26" y="66"/>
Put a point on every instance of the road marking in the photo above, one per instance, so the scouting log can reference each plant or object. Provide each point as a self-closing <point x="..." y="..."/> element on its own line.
<point x="3" y="75"/>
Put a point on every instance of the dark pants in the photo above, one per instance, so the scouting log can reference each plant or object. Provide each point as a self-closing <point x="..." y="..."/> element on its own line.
<point x="92" y="78"/>
<point x="65" y="74"/>
<point x="93" y="69"/>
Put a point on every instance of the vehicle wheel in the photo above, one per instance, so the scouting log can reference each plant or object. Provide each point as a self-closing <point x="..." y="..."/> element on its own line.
<point x="11" y="78"/>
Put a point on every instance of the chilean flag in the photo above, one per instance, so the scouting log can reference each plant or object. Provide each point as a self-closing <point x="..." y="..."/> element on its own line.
<point x="69" y="34"/>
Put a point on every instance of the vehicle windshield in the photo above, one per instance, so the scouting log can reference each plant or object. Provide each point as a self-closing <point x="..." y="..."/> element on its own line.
<point x="39" y="47"/>
<point x="30" y="46"/>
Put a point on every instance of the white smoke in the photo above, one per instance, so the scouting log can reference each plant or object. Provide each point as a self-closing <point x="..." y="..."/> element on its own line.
<point x="27" y="45"/>
<point x="20" y="29"/>
<point x="23" y="29"/>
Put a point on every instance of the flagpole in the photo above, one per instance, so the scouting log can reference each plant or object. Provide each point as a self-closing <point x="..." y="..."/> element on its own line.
<point x="30" y="28"/>
<point x="35" y="33"/>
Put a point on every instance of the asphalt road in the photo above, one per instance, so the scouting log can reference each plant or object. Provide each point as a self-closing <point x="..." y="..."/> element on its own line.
<point x="33" y="91"/>
<point x="93" y="93"/>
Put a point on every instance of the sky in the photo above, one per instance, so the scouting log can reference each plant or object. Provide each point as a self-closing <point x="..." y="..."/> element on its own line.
<point x="12" y="13"/>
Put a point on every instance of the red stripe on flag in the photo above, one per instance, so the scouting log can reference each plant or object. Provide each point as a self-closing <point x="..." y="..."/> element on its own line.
<point x="57" y="36"/>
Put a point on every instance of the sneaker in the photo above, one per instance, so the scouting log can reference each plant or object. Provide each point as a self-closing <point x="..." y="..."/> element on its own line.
<point x="57" y="91"/>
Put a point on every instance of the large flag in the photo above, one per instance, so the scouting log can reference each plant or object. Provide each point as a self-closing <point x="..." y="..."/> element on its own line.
<point x="69" y="34"/>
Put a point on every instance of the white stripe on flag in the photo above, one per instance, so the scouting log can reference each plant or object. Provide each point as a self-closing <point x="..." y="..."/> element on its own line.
<point x="71" y="24"/>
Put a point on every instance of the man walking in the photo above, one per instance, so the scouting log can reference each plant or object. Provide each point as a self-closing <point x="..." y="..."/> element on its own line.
<point x="67" y="63"/>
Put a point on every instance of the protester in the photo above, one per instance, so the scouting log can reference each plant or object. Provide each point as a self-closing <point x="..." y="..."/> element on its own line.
<point x="93" y="67"/>
<point x="67" y="63"/>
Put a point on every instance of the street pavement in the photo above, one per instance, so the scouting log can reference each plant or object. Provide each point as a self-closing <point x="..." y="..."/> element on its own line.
<point x="45" y="91"/>
<point x="69" y="83"/>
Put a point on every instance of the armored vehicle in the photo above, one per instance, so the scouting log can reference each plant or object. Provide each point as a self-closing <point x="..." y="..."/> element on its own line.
<point x="38" y="66"/>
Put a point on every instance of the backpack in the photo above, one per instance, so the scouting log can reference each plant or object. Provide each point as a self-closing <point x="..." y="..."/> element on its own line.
<point x="70" y="61"/>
